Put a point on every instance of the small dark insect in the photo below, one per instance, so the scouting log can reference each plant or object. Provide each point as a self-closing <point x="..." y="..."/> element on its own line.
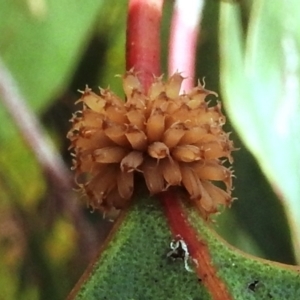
<point x="179" y="250"/>
<point x="253" y="285"/>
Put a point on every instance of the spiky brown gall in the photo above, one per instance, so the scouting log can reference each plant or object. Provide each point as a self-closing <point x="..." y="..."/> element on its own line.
<point x="171" y="139"/>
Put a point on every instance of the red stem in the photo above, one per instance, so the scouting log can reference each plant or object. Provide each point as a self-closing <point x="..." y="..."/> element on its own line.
<point x="198" y="249"/>
<point x="183" y="40"/>
<point x="143" y="54"/>
<point x="143" y="39"/>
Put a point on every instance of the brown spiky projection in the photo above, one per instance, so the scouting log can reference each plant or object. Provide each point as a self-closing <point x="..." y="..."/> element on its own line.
<point x="172" y="139"/>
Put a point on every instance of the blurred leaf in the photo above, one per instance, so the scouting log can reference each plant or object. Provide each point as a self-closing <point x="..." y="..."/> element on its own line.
<point x="16" y="160"/>
<point x="245" y="226"/>
<point x="256" y="199"/>
<point x="60" y="244"/>
<point x="261" y="89"/>
<point x="44" y="39"/>
<point x="41" y="43"/>
<point x="134" y="264"/>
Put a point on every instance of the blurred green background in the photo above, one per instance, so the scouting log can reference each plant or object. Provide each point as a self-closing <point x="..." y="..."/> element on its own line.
<point x="55" y="47"/>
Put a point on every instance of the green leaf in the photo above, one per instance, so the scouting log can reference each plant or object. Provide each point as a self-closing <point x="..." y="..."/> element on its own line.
<point x="261" y="91"/>
<point x="134" y="264"/>
<point x="43" y="40"/>
<point x="41" y="44"/>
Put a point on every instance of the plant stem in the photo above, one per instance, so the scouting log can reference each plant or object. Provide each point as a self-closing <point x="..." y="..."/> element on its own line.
<point x="142" y="53"/>
<point x="30" y="130"/>
<point x="198" y="249"/>
<point x="183" y="40"/>
<point x="143" y="39"/>
<point x="57" y="174"/>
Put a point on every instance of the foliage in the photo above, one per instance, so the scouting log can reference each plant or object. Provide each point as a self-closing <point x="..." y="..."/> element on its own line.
<point x="55" y="47"/>
<point x="260" y="76"/>
<point x="140" y="245"/>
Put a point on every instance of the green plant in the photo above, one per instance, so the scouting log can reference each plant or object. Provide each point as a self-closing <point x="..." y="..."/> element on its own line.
<point x="219" y="271"/>
<point x="52" y="48"/>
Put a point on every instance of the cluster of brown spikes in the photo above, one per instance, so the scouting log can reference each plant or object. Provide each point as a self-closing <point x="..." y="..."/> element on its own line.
<point x="172" y="139"/>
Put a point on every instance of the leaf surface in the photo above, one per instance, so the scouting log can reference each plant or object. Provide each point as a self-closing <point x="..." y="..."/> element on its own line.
<point x="134" y="264"/>
<point x="260" y="81"/>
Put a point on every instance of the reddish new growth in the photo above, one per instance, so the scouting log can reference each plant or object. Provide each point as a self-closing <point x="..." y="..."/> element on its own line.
<point x="171" y="139"/>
